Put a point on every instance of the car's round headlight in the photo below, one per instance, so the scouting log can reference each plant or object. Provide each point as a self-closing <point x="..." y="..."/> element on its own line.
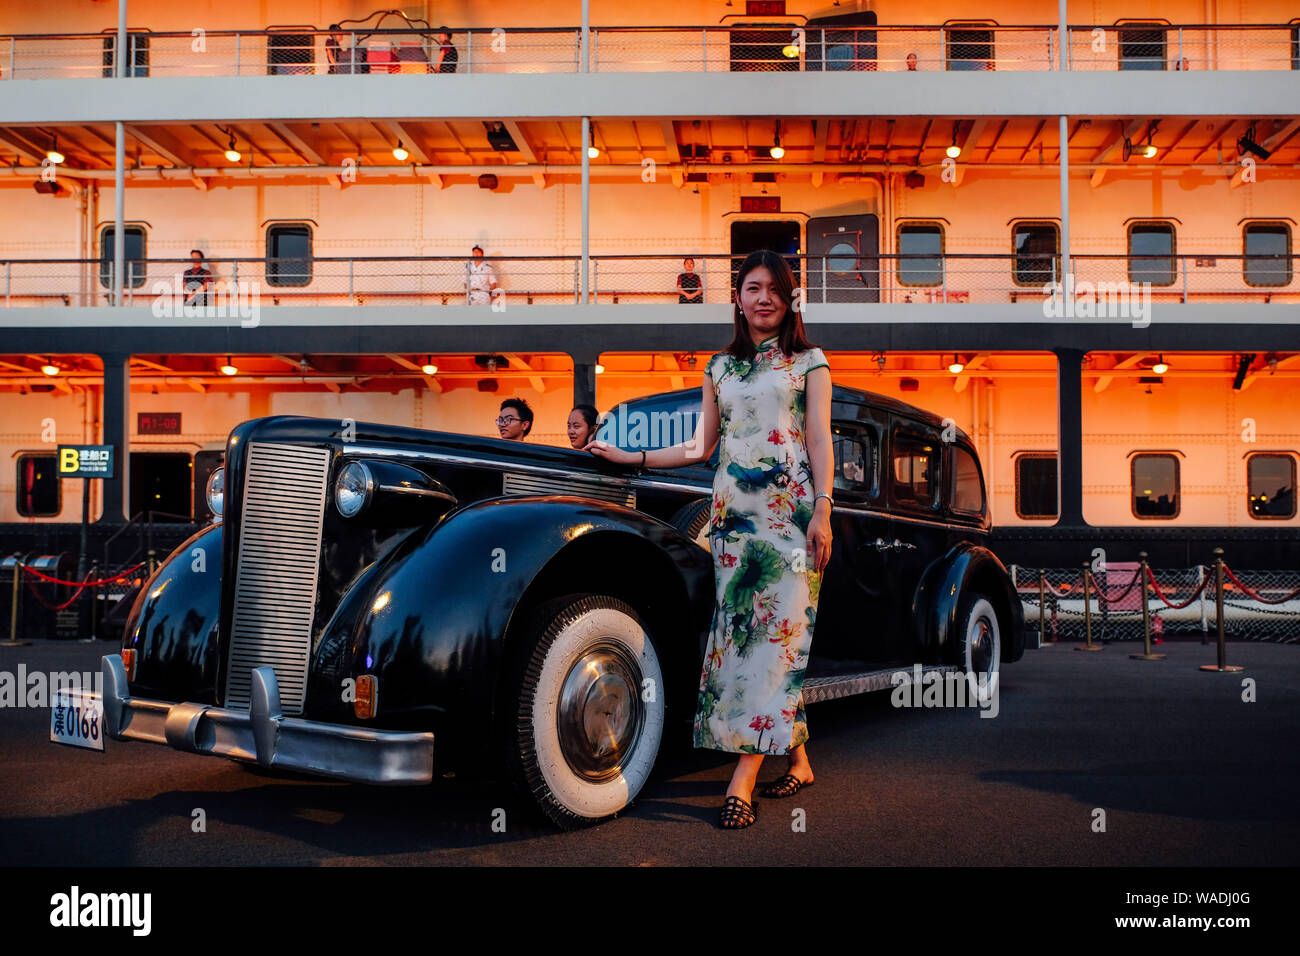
<point x="216" y="491"/>
<point x="353" y="489"/>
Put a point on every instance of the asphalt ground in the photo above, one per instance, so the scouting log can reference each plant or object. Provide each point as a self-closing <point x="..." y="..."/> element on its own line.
<point x="1183" y="771"/>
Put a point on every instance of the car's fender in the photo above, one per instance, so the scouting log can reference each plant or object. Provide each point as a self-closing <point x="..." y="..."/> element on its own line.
<point x="172" y="626"/>
<point x="430" y="620"/>
<point x="937" y="597"/>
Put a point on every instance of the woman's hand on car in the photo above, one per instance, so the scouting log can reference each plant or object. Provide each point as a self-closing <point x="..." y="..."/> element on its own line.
<point x="609" y="452"/>
<point x="819" y="537"/>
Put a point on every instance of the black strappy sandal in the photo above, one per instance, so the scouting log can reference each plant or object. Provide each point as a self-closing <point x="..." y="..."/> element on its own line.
<point x="786" y="786"/>
<point x="736" y="814"/>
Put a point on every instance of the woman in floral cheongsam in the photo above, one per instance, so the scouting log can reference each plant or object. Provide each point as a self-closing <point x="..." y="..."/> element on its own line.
<point x="768" y="401"/>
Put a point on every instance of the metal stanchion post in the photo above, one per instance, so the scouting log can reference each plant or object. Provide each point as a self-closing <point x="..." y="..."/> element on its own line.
<point x="1146" y="655"/>
<point x="1223" y="666"/>
<point x="13" y="608"/>
<point x="1087" y="616"/>
<point x="153" y="565"/>
<point x="94" y="602"/>
<point x="1042" y="580"/>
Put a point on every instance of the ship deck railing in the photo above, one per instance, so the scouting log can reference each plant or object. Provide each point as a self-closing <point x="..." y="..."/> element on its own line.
<point x="790" y="45"/>
<point x="836" y="277"/>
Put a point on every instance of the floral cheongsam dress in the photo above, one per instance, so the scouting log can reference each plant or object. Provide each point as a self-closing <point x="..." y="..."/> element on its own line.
<point x="751" y="686"/>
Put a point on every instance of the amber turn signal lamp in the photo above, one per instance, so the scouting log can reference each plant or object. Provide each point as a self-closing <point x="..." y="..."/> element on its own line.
<point x="367" y="700"/>
<point x="128" y="661"/>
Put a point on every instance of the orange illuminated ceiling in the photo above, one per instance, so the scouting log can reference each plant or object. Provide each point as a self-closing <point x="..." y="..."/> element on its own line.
<point x="704" y="146"/>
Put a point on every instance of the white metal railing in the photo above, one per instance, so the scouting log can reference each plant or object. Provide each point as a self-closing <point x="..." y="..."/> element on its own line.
<point x="793" y="47"/>
<point x="443" y="280"/>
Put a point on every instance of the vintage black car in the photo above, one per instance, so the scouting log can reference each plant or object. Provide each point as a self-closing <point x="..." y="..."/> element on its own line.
<point x="375" y="595"/>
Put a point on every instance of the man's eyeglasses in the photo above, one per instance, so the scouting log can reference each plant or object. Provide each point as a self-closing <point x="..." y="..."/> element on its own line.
<point x="506" y="421"/>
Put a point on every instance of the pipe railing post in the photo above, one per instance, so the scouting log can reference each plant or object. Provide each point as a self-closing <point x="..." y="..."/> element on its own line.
<point x="1146" y="655"/>
<point x="1087" y="616"/>
<point x="13" y="607"/>
<point x="237" y="36"/>
<point x="1042" y="604"/>
<point x="1223" y="667"/>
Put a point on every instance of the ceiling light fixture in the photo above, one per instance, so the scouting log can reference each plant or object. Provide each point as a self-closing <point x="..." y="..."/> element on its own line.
<point x="399" y="153"/>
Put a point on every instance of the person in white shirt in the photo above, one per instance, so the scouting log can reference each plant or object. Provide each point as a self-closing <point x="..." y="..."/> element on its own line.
<point x="481" y="281"/>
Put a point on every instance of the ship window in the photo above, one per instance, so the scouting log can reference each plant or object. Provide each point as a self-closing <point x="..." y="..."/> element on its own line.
<point x="1151" y="253"/>
<point x="39" y="487"/>
<point x="137" y="53"/>
<point x="967" y="492"/>
<point x="920" y="254"/>
<point x="288" y="254"/>
<point x="1036" y="249"/>
<point x="161" y="482"/>
<point x="969" y="49"/>
<point x="1155" y="486"/>
<point x="1142" y="46"/>
<point x="1036" y="485"/>
<point x="1267" y="247"/>
<point x="1271" y="486"/>
<point x="916" y="463"/>
<point x="290" y="53"/>
<point x="133" y="249"/>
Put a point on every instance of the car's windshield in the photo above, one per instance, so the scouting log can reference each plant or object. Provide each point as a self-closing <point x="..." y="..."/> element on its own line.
<point x="654" y="422"/>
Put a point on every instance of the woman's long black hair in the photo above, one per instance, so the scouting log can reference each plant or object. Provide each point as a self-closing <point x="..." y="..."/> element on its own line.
<point x="791" y="337"/>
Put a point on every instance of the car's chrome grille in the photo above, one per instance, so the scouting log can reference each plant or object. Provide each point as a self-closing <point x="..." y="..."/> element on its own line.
<point x="613" y="489"/>
<point x="275" y="580"/>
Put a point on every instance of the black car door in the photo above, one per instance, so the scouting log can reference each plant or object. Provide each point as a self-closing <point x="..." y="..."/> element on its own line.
<point x="914" y="475"/>
<point x="854" y="586"/>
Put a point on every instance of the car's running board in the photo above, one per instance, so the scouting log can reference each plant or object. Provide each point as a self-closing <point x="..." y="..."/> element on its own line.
<point x="846" y="685"/>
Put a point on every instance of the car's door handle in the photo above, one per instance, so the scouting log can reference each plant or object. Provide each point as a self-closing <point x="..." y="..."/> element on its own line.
<point x="896" y="545"/>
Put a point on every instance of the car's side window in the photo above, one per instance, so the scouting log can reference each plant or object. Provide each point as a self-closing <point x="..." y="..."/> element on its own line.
<point x="855" y="460"/>
<point x="967" y="492"/>
<point x="914" y="462"/>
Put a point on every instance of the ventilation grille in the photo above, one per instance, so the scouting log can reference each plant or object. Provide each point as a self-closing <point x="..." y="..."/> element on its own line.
<point x="275" y="581"/>
<point x="516" y="484"/>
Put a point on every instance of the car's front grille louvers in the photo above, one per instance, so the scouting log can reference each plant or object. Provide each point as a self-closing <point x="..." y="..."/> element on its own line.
<point x="279" y="558"/>
<point x="522" y="484"/>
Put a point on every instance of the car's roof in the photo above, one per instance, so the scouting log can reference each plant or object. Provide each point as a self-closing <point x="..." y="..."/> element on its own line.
<point x="839" y="393"/>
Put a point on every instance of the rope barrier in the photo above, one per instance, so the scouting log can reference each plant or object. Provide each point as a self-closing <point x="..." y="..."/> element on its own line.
<point x="1161" y="594"/>
<point x="82" y="584"/>
<point x="1262" y="600"/>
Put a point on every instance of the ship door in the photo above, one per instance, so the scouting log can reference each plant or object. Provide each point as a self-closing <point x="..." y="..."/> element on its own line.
<point x="779" y="235"/>
<point x="844" y="259"/>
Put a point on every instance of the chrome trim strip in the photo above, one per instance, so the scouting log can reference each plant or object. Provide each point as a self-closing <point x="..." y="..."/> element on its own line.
<point x="875" y="513"/>
<point x="428" y="492"/>
<point x="832" y="687"/>
<point x="263" y="735"/>
<point x="639" y="481"/>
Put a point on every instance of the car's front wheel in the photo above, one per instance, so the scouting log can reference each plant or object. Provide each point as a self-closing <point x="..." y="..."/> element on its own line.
<point x="588" y="709"/>
<point x="981" y="644"/>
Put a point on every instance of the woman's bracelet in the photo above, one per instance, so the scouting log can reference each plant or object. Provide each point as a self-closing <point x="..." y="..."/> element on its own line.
<point x="822" y="494"/>
<point x="642" y="458"/>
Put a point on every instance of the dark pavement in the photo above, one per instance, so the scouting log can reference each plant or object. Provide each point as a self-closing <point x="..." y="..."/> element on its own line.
<point x="1186" y="773"/>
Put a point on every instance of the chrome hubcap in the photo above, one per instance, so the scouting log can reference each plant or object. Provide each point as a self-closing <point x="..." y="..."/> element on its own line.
<point x="981" y="647"/>
<point x="599" y="714"/>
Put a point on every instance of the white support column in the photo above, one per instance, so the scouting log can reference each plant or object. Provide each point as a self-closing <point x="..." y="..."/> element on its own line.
<point x="1064" y="165"/>
<point x="586" y="208"/>
<point x="119" y="208"/>
<point x="119" y="165"/>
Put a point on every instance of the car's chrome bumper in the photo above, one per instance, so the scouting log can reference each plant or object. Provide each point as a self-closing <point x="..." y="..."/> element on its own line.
<point x="263" y="735"/>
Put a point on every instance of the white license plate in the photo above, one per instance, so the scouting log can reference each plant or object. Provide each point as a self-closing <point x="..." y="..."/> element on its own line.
<point x="77" y="718"/>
